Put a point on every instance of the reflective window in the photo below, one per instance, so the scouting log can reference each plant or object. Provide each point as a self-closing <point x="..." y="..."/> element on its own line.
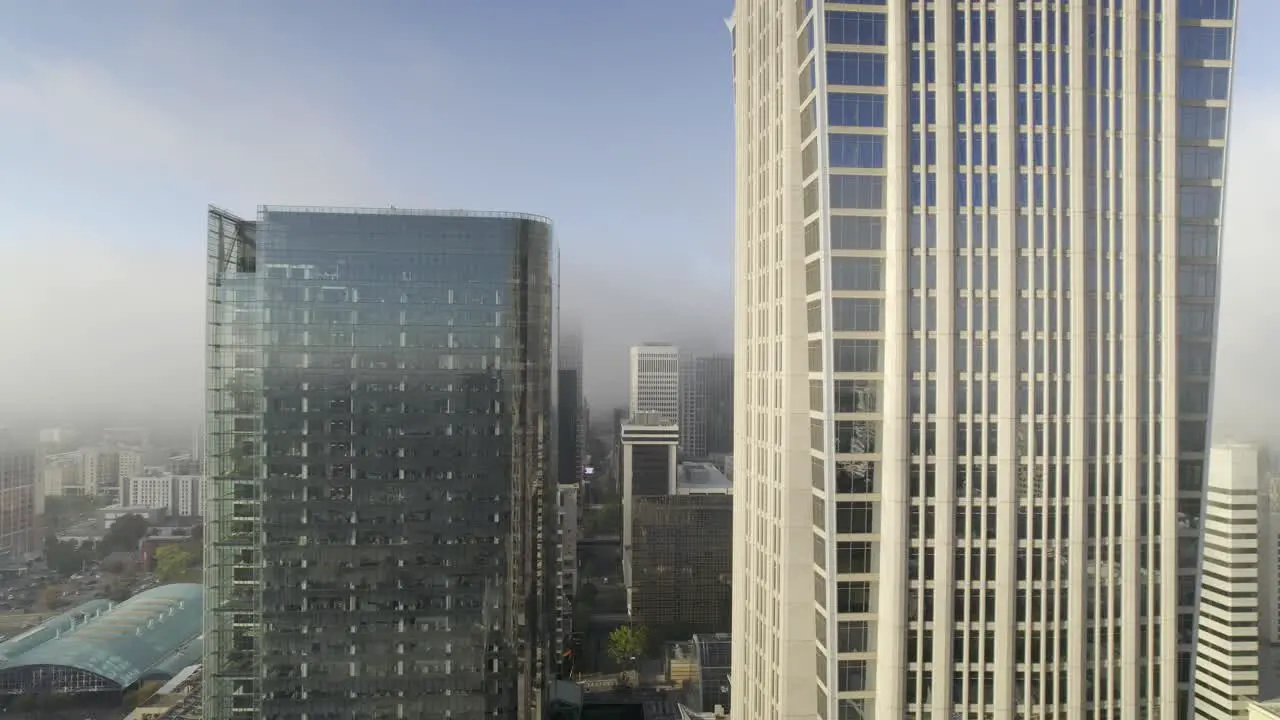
<point x="856" y="151"/>
<point x="1202" y="123"/>
<point x="1199" y="201"/>
<point x="1205" y="9"/>
<point x="857" y="233"/>
<point x="1197" y="42"/>
<point x="1203" y="83"/>
<point x="1200" y="163"/>
<point x="855" y="68"/>
<point x="857" y="396"/>
<point x="856" y="273"/>
<point x="855" y="355"/>
<point x="856" y="28"/>
<point x="855" y="314"/>
<point x="857" y="192"/>
<point x="855" y="110"/>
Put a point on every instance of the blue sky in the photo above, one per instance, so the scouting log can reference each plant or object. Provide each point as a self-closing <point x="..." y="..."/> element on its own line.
<point x="122" y="120"/>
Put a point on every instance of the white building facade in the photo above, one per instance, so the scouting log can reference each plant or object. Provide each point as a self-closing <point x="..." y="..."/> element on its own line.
<point x="655" y="381"/>
<point x="172" y="495"/>
<point x="976" y="266"/>
<point x="1228" y="647"/>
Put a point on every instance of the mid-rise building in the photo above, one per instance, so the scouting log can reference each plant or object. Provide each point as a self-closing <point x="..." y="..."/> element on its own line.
<point x="21" y="504"/>
<point x="177" y="496"/>
<point x="976" y="270"/>
<point x="64" y="474"/>
<point x="105" y="466"/>
<point x="678" y="556"/>
<point x="568" y="529"/>
<point x="655" y="381"/>
<point x="381" y="445"/>
<point x="646" y="465"/>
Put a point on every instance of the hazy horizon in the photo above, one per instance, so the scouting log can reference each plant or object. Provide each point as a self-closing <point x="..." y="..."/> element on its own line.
<point x="124" y="120"/>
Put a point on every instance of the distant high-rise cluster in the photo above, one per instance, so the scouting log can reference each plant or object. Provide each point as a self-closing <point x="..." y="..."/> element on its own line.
<point x="694" y="393"/>
<point x="976" y="278"/>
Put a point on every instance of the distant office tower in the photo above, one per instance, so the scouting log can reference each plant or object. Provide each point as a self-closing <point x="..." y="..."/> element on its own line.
<point x="976" y="269"/>
<point x="655" y="381"/>
<point x="21" y="504"/>
<point x="380" y="449"/>
<point x="1228" y="630"/>
<point x="715" y="375"/>
<point x="572" y="434"/>
<point x="693" y="439"/>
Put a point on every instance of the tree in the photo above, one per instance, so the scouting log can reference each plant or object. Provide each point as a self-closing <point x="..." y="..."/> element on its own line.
<point x="52" y="598"/>
<point x="627" y="642"/>
<point x="124" y="534"/>
<point x="64" y="558"/>
<point x="174" y="562"/>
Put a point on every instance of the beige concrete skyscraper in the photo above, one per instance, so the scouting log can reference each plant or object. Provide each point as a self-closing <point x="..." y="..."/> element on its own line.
<point x="976" y="287"/>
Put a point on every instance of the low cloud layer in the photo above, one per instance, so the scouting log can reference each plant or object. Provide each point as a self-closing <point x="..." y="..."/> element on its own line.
<point x="103" y="306"/>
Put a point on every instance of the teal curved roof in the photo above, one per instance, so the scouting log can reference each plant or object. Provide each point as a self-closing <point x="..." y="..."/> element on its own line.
<point x="126" y="641"/>
<point x="185" y="656"/>
<point x="48" y="630"/>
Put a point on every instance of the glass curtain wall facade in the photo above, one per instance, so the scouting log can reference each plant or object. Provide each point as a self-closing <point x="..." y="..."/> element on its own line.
<point x="380" y="413"/>
<point x="996" y="227"/>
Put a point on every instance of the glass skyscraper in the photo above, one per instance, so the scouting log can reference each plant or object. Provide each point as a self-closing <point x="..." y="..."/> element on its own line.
<point x="380" y="401"/>
<point x="977" y="278"/>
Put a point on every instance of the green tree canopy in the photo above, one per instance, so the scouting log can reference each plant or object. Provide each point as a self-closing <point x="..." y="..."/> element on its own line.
<point x="626" y="642"/>
<point x="174" y="562"/>
<point x="124" y="534"/>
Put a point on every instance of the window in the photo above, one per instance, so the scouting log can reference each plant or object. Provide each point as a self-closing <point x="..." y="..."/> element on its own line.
<point x="856" y="436"/>
<point x="1200" y="163"/>
<point x="1199" y="201"/>
<point x="853" y="636"/>
<point x="857" y="192"/>
<point x="856" y="273"/>
<point x="814" y="311"/>
<point x="856" y="28"/>
<point x="851" y="675"/>
<point x="857" y="396"/>
<point x="856" y="151"/>
<point x="1202" y="123"/>
<point x="1198" y="241"/>
<point x="855" y="110"/>
<point x="1196" y="42"/>
<point x="1195" y="319"/>
<point x="857" y="233"/>
<point x="855" y="314"/>
<point x="856" y="68"/>
<point x="853" y="557"/>
<point x="853" y="517"/>
<point x="813" y="281"/>
<point x="853" y="597"/>
<point x="1197" y="281"/>
<point x="1205" y="9"/>
<point x="855" y="355"/>
<point x="1203" y="83"/>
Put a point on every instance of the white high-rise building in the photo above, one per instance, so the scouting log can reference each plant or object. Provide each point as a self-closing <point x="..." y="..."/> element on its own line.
<point x="655" y="381"/>
<point x="976" y="269"/>
<point x="1229" y="625"/>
